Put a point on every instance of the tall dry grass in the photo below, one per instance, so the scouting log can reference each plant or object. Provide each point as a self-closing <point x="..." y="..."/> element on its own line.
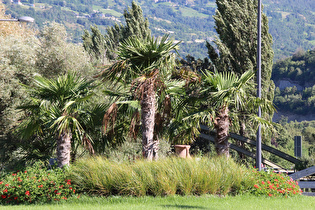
<point x="169" y="176"/>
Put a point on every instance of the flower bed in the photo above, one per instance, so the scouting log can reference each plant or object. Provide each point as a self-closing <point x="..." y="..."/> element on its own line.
<point x="34" y="185"/>
<point x="274" y="184"/>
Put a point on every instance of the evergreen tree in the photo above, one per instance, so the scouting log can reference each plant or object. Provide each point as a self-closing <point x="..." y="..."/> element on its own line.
<point x="236" y="25"/>
<point x="136" y="25"/>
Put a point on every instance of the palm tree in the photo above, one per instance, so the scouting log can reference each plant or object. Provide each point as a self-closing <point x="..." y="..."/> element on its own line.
<point x="56" y="106"/>
<point x="228" y="93"/>
<point x="144" y="64"/>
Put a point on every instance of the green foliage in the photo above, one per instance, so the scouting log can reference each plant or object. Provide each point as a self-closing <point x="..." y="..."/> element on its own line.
<point x="236" y="24"/>
<point x="291" y="22"/>
<point x="298" y="69"/>
<point x="16" y="66"/>
<point x="164" y="177"/>
<point x="306" y="162"/>
<point x="99" y="45"/>
<point x="272" y="184"/>
<point x="131" y="150"/>
<point x="144" y="67"/>
<point x="235" y="50"/>
<point x="35" y="184"/>
<point x="140" y="57"/>
<point x="284" y="141"/>
<point x="58" y="106"/>
<point x="56" y="56"/>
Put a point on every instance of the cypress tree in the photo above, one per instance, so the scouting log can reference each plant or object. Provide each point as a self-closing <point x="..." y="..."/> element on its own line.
<point x="136" y="25"/>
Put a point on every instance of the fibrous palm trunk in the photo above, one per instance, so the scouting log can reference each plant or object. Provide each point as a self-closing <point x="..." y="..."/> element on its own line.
<point x="222" y="125"/>
<point x="64" y="149"/>
<point x="147" y="120"/>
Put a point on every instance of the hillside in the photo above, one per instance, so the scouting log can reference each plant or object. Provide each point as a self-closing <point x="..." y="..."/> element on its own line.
<point x="295" y="81"/>
<point x="292" y="22"/>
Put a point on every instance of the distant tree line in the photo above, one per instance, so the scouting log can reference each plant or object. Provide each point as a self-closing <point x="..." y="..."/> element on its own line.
<point x="300" y="69"/>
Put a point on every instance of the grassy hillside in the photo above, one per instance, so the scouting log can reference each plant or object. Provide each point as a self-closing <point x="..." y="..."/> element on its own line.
<point x="292" y="22"/>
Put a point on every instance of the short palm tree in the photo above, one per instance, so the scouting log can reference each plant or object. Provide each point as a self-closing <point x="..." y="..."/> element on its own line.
<point x="144" y="64"/>
<point x="56" y="106"/>
<point x="228" y="92"/>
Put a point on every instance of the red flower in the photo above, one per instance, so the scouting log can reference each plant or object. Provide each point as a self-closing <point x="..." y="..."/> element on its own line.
<point x="262" y="182"/>
<point x="268" y="182"/>
<point x="5" y="190"/>
<point x="270" y="195"/>
<point x="73" y="191"/>
<point x="25" y="172"/>
<point x="61" y="186"/>
<point x="27" y="193"/>
<point x="39" y="186"/>
<point x="70" y="188"/>
<point x="7" y="185"/>
<point x="276" y="180"/>
<point x="55" y="191"/>
<point x="1" y="182"/>
<point x="3" y="196"/>
<point x="15" y="198"/>
<point x="58" y="193"/>
<point x="68" y="183"/>
<point x="256" y="186"/>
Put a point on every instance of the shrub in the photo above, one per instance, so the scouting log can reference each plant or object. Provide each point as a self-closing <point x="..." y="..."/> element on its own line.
<point x="169" y="176"/>
<point x="35" y="185"/>
<point x="274" y="184"/>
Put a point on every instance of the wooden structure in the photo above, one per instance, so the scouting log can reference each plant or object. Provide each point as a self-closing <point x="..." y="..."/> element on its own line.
<point x="211" y="135"/>
<point x="303" y="173"/>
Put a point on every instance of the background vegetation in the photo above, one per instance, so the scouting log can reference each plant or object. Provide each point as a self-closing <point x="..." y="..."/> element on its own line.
<point x="291" y="22"/>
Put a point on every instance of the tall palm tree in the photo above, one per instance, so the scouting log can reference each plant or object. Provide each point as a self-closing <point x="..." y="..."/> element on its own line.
<point x="144" y="64"/>
<point x="56" y="106"/>
<point x="228" y="93"/>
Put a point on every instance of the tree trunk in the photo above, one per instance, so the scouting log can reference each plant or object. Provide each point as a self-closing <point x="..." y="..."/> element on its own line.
<point x="147" y="120"/>
<point x="222" y="125"/>
<point x="64" y="149"/>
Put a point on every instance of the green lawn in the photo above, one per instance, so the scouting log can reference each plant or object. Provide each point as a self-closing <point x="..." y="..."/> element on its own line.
<point x="179" y="202"/>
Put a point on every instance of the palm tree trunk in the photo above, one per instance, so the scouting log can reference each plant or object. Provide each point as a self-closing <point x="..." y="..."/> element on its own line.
<point x="147" y="120"/>
<point x="222" y="125"/>
<point x="64" y="149"/>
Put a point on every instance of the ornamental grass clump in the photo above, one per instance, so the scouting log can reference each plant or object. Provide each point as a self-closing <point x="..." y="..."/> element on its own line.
<point x="35" y="185"/>
<point x="170" y="176"/>
<point x="273" y="184"/>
